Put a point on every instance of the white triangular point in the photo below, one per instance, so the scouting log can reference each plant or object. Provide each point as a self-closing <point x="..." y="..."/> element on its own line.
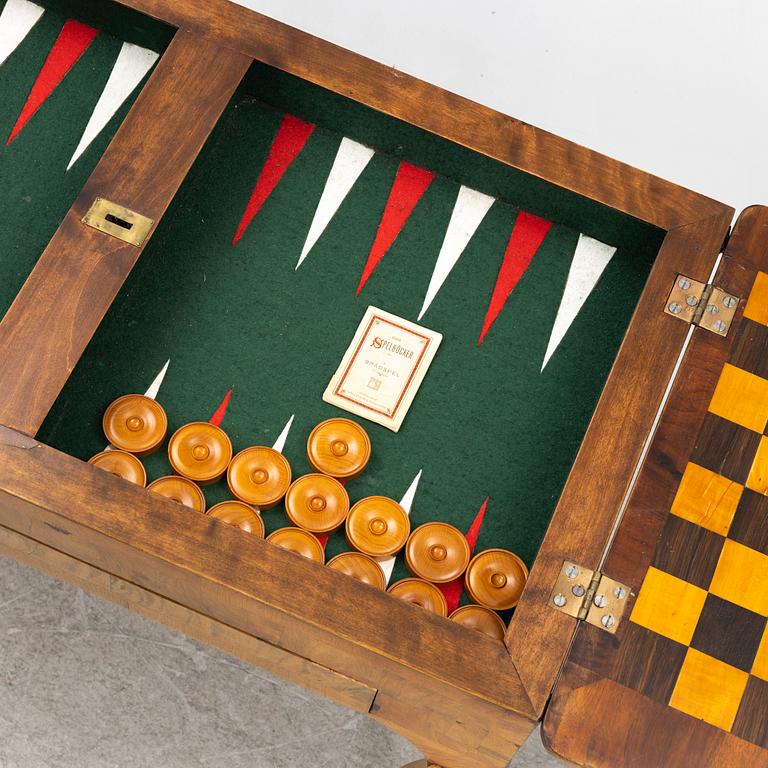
<point x="132" y="63"/>
<point x="590" y="258"/>
<point x="154" y="387"/>
<point x="349" y="163"/>
<point x="280" y="442"/>
<point x="16" y="20"/>
<point x="469" y="210"/>
<point x="388" y="563"/>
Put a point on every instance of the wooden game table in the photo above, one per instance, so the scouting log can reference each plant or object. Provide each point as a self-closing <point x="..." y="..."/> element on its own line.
<point x="259" y="189"/>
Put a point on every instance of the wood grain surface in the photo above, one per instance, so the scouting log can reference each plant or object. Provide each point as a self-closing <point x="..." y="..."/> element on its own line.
<point x="538" y="636"/>
<point x="436" y="110"/>
<point x="645" y="732"/>
<point x="454" y="693"/>
<point x="81" y="270"/>
<point x="289" y="666"/>
<point x="633" y="732"/>
<point x="461" y="698"/>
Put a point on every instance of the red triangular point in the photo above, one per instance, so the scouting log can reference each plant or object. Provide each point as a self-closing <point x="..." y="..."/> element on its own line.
<point x="218" y="415"/>
<point x="291" y="137"/>
<point x="452" y="590"/>
<point x="73" y="40"/>
<point x="410" y="183"/>
<point x="477" y="524"/>
<point x="527" y="235"/>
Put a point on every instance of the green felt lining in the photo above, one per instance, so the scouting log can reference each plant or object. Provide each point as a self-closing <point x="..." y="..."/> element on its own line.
<point x="402" y="140"/>
<point x="116" y="20"/>
<point x="486" y="421"/>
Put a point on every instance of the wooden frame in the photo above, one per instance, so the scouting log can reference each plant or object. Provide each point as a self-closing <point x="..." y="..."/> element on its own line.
<point x="468" y="708"/>
<point x="587" y="687"/>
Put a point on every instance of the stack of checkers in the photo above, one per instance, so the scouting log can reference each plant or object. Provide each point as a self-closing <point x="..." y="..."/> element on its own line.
<point x="259" y="478"/>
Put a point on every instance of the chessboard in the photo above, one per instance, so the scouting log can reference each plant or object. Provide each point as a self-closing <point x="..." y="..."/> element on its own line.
<point x="702" y="610"/>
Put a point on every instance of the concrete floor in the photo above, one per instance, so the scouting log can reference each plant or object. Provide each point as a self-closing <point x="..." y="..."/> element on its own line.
<point x="87" y="684"/>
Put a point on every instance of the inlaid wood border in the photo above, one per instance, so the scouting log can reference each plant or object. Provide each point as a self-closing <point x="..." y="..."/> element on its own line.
<point x="81" y="272"/>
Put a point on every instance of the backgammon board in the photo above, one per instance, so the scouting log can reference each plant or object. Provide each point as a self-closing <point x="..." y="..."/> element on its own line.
<point x="201" y="204"/>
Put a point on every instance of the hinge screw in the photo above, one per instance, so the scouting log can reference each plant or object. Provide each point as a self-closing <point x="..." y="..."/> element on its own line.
<point x="691" y="301"/>
<point x="559" y="600"/>
<point x="607" y="621"/>
<point x="578" y="590"/>
<point x="719" y="326"/>
<point x="675" y="308"/>
<point x="571" y="571"/>
<point x="712" y="309"/>
<point x="684" y="283"/>
<point x="730" y="302"/>
<point x="619" y="593"/>
<point x="600" y="601"/>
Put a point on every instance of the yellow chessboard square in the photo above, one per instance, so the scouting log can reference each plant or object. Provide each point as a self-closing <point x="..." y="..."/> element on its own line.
<point x="741" y="397"/>
<point x="758" y="475"/>
<point x="668" y="606"/>
<point x="707" y="499"/>
<point x="757" y="304"/>
<point x="709" y="689"/>
<point x="760" y="665"/>
<point x="740" y="577"/>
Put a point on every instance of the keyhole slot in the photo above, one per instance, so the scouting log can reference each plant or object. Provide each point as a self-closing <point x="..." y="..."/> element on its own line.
<point x="118" y="221"/>
<point x="110" y="217"/>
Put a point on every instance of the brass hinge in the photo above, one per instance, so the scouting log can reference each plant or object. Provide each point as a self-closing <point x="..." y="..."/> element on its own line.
<point x="701" y="304"/>
<point x="589" y="596"/>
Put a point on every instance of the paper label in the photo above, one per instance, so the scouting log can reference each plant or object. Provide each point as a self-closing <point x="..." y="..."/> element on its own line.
<point x="383" y="368"/>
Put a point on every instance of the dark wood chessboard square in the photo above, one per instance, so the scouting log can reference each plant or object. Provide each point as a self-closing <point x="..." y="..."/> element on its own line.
<point x="728" y="632"/>
<point x="688" y="551"/>
<point x="751" y="723"/>
<point x="648" y="662"/>
<point x="750" y="349"/>
<point x="725" y="448"/>
<point x="750" y="522"/>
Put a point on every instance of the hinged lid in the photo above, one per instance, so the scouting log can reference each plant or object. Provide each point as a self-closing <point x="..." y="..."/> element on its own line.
<point x="684" y="677"/>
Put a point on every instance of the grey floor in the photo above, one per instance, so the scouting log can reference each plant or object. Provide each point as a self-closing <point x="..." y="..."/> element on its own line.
<point x="87" y="684"/>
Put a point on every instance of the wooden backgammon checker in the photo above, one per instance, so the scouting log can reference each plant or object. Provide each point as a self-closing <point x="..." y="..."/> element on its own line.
<point x="377" y="526"/>
<point x="121" y="464"/>
<point x="360" y="567"/>
<point x="495" y="579"/>
<point x="200" y="451"/>
<point x="437" y="552"/>
<point x="480" y="619"/>
<point x="180" y="490"/>
<point x="421" y="593"/>
<point x="340" y="448"/>
<point x="260" y="476"/>
<point x="597" y="405"/>
<point x="239" y="514"/>
<point x="299" y="541"/>
<point x="136" y="424"/>
<point x="317" y="503"/>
